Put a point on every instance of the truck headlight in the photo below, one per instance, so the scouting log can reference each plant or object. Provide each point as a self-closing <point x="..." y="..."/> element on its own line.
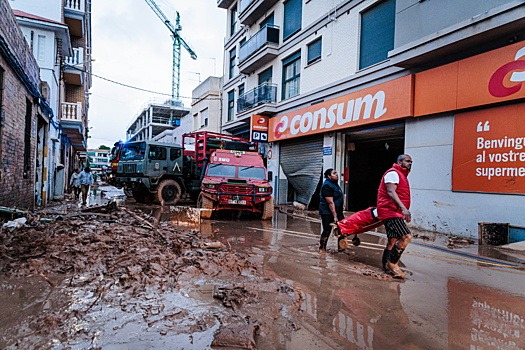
<point x="263" y="189"/>
<point x="210" y="186"/>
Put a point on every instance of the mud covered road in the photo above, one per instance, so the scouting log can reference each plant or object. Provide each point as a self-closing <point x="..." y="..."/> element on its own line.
<point x="124" y="277"/>
<point x="113" y="278"/>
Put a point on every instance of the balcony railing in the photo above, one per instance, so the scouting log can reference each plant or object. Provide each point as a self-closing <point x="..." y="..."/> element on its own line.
<point x="161" y="120"/>
<point x="264" y="93"/>
<point x="269" y="34"/>
<point x="76" y="5"/>
<point x="72" y="112"/>
<point x="77" y="59"/>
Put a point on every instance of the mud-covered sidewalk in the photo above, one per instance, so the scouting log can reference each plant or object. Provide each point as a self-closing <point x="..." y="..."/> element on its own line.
<point x="109" y="276"/>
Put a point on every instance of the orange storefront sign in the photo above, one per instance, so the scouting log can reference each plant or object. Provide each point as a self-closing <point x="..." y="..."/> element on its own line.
<point x="387" y="101"/>
<point x="489" y="151"/>
<point x="491" y="77"/>
<point x="259" y="128"/>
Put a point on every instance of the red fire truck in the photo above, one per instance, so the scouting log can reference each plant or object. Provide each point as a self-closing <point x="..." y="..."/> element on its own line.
<point x="233" y="175"/>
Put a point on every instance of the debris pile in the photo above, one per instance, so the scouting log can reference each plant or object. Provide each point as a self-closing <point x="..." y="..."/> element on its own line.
<point x="122" y="258"/>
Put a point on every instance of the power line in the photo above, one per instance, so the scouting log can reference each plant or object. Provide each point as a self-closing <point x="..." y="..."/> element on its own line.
<point x="136" y="87"/>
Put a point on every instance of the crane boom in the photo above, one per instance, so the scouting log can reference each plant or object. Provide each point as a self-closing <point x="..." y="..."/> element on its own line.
<point x="177" y="43"/>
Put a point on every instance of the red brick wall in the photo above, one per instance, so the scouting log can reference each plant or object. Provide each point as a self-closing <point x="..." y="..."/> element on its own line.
<point x="15" y="190"/>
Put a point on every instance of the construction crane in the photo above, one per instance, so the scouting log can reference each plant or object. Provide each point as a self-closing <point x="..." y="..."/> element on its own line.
<point x="177" y="43"/>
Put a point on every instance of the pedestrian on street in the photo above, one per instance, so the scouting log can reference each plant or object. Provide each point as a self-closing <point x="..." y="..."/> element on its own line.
<point x="85" y="179"/>
<point x="393" y="204"/>
<point x="330" y="206"/>
<point x="74" y="183"/>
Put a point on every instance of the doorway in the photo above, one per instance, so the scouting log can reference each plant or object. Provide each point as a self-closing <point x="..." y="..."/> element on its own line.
<point x="369" y="155"/>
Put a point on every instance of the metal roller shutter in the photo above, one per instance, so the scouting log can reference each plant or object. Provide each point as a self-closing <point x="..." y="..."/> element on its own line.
<point x="302" y="163"/>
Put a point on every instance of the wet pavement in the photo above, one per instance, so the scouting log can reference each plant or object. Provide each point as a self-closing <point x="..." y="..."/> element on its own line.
<point x="265" y="287"/>
<point x="451" y="299"/>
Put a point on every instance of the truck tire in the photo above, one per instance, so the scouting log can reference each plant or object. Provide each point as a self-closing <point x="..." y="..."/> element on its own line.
<point x="205" y="203"/>
<point x="168" y="192"/>
<point x="268" y="210"/>
<point x="128" y="192"/>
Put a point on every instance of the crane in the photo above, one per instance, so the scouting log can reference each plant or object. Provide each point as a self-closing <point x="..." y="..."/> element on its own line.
<point x="177" y="43"/>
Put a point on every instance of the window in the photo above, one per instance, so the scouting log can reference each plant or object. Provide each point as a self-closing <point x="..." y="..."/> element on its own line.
<point x="231" y="104"/>
<point x="314" y="51"/>
<point x="157" y="153"/>
<point x="292" y="17"/>
<point x="291" y="75"/>
<point x="265" y="76"/>
<point x="195" y="121"/>
<point x="377" y="33"/>
<point x="233" y="20"/>
<point x="232" y="63"/>
<point x="267" y="21"/>
<point x="27" y="139"/>
<point x="204" y="117"/>
<point x="41" y="53"/>
<point x="241" y="89"/>
<point x="175" y="153"/>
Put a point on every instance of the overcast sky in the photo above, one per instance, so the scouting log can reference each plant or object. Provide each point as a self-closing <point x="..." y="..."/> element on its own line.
<point x="131" y="45"/>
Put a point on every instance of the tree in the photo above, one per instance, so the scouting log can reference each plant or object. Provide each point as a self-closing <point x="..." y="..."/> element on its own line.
<point x="104" y="147"/>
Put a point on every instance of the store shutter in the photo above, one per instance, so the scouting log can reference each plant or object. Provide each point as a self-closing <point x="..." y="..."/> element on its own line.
<point x="302" y="163"/>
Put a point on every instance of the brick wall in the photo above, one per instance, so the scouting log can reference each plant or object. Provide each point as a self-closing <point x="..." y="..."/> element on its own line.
<point x="15" y="190"/>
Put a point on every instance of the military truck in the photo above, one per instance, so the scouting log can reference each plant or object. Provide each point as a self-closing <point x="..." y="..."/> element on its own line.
<point x="164" y="173"/>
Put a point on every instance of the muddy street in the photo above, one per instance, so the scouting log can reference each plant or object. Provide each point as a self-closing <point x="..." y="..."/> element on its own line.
<point x="125" y="276"/>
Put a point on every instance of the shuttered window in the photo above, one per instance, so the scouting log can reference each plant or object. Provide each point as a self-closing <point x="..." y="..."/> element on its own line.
<point x="293" y="11"/>
<point x="314" y="51"/>
<point x="377" y="33"/>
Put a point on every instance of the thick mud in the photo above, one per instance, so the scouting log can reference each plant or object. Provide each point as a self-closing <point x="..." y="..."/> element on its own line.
<point x="110" y="277"/>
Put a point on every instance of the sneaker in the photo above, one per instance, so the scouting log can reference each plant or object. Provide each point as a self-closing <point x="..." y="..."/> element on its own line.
<point x="397" y="272"/>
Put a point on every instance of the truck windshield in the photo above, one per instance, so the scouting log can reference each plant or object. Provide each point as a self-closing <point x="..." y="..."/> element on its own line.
<point x="133" y="151"/>
<point x="221" y="170"/>
<point x="249" y="172"/>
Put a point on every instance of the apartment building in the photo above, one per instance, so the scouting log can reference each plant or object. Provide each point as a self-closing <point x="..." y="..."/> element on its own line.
<point x="156" y="121"/>
<point x="98" y="158"/>
<point x="58" y="34"/>
<point x="352" y="84"/>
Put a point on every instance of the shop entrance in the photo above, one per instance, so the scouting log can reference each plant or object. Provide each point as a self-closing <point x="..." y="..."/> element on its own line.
<point x="370" y="153"/>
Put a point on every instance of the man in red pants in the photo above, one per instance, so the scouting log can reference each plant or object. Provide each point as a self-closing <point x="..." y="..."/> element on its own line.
<point x="393" y="204"/>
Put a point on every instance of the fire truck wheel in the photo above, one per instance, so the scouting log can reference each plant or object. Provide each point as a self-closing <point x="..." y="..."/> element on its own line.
<point x="168" y="192"/>
<point x="268" y="210"/>
<point x="205" y="203"/>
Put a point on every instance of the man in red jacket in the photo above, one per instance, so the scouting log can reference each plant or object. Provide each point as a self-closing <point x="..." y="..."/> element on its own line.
<point x="393" y="204"/>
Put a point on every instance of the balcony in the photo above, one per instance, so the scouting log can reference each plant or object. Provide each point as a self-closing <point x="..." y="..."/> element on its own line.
<point x="72" y="124"/>
<point x="262" y="94"/>
<point x="225" y="4"/>
<point x="260" y="49"/>
<point x="75" y="16"/>
<point x="74" y="66"/>
<point x="251" y="10"/>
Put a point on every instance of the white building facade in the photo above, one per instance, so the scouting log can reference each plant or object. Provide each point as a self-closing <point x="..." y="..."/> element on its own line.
<point x="351" y="85"/>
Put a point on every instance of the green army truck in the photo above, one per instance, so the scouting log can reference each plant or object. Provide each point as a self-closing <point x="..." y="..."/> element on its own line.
<point x="164" y="173"/>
